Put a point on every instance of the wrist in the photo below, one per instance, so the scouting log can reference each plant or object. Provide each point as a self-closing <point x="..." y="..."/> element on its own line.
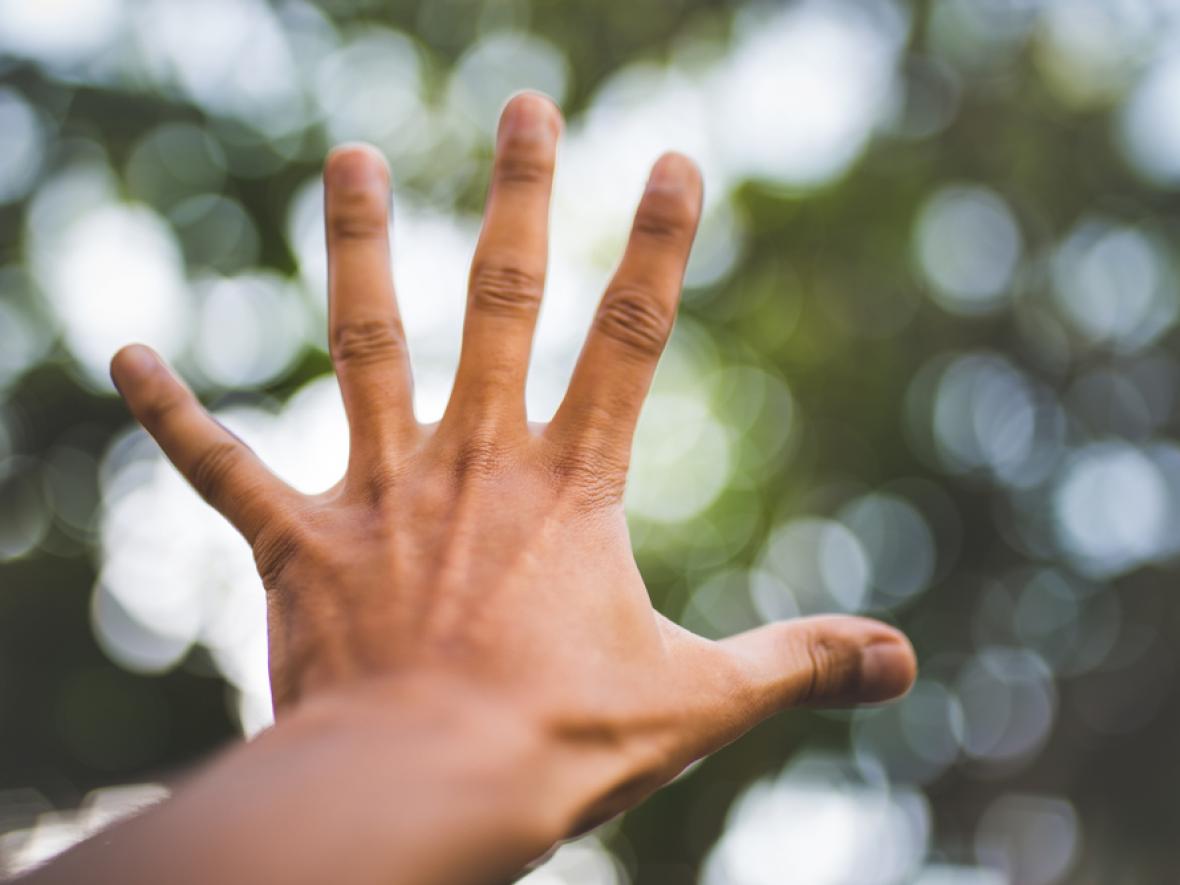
<point x="492" y="758"/>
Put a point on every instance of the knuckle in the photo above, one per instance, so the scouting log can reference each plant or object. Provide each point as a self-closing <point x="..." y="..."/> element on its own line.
<point x="667" y="217"/>
<point x="505" y="289"/>
<point x="593" y="478"/>
<point x="524" y="164"/>
<point x="382" y="484"/>
<point x="355" y="228"/>
<point x="357" y="215"/>
<point x="212" y="469"/>
<point x="635" y="319"/>
<point x="832" y="667"/>
<point x="479" y="456"/>
<point x="362" y="342"/>
<point x="381" y="487"/>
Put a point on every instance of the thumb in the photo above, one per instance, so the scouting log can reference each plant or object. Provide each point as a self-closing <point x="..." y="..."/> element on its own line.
<point x="832" y="660"/>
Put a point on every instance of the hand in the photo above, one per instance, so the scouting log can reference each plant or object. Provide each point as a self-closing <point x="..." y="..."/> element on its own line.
<point x="485" y="555"/>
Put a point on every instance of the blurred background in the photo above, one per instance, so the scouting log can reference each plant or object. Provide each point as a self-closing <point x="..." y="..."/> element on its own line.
<point x="924" y="369"/>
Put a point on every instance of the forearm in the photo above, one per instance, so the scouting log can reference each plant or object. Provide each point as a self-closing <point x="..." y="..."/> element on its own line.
<point x="396" y="785"/>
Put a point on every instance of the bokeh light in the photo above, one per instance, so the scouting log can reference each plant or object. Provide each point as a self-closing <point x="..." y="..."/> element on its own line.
<point x="898" y="544"/>
<point x="968" y="245"/>
<point x="824" y="823"/>
<point x="923" y="370"/>
<point x="583" y="862"/>
<point x="249" y="329"/>
<point x="22" y="145"/>
<point x="500" y="64"/>
<point x="1032" y="839"/>
<point x="62" y="34"/>
<point x="1008" y="704"/>
<point x="110" y="272"/>
<point x="1149" y="135"/>
<point x="807" y="87"/>
<point x="1114" y="285"/>
<point x="1112" y="508"/>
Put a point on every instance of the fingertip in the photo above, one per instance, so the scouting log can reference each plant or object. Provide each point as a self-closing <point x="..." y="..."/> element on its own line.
<point x="356" y="166"/>
<point x="530" y="110"/>
<point x="827" y="660"/>
<point x="675" y="171"/>
<point x="133" y="363"/>
<point x="881" y="664"/>
<point x="888" y="668"/>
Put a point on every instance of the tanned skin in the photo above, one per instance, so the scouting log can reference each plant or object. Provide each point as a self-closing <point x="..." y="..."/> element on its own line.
<point x="465" y="663"/>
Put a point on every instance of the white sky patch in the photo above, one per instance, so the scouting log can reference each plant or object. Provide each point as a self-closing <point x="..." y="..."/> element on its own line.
<point x="60" y="33"/>
<point x="682" y="458"/>
<point x="802" y="92"/>
<point x="22" y="145"/>
<point x="229" y="56"/>
<point x="249" y="328"/>
<point x="1090" y="49"/>
<point x="583" y="862"/>
<point x="112" y="274"/>
<point x="370" y="90"/>
<point x="499" y="64"/>
<point x="820" y="823"/>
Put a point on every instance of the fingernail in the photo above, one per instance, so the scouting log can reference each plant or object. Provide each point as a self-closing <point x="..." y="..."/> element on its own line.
<point x="886" y="670"/>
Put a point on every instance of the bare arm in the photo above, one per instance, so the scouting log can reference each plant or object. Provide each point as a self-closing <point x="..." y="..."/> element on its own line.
<point x="465" y="663"/>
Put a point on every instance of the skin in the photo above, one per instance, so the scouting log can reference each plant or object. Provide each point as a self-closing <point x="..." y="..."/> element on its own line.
<point x="465" y="662"/>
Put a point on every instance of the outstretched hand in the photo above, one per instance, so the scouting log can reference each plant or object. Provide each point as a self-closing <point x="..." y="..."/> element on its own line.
<point x="483" y="553"/>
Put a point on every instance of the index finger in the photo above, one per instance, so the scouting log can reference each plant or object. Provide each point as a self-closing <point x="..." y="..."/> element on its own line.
<point x="219" y="466"/>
